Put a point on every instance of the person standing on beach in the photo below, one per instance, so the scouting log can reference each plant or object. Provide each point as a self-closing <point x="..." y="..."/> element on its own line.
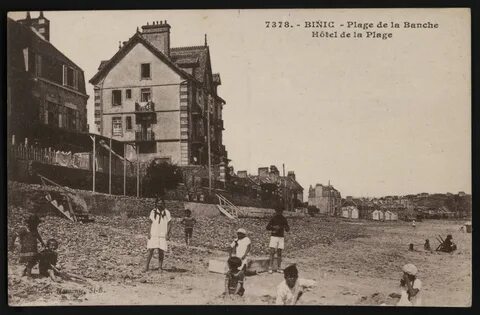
<point x="29" y="238"/>
<point x="159" y="233"/>
<point x="278" y="225"/>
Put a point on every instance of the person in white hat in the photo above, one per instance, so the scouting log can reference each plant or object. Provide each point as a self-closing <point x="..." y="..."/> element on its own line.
<point x="240" y="247"/>
<point x="410" y="287"/>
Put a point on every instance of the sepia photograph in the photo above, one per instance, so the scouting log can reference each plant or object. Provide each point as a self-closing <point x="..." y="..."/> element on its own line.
<point x="239" y="157"/>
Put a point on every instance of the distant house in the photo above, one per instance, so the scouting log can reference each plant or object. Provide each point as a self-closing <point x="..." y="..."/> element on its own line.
<point x="326" y="198"/>
<point x="378" y="215"/>
<point x="350" y="208"/>
<point x="391" y="216"/>
<point x="276" y="189"/>
<point x="461" y="194"/>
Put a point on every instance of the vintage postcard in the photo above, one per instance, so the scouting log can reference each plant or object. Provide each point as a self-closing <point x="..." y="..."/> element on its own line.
<point x="244" y="157"/>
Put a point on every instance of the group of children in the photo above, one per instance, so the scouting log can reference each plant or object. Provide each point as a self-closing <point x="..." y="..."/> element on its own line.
<point x="288" y="292"/>
<point x="29" y="237"/>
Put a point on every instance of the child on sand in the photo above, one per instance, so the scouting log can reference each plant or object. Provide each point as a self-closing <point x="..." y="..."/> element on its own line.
<point x="427" y="246"/>
<point x="28" y="236"/>
<point x="47" y="260"/>
<point x="188" y="221"/>
<point x="159" y="233"/>
<point x="234" y="278"/>
<point x="278" y="225"/>
<point x="240" y="247"/>
<point x="291" y="289"/>
<point x="410" y="287"/>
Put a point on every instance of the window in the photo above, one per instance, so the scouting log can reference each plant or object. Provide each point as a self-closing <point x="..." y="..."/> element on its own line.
<point x="145" y="71"/>
<point x="117" y="126"/>
<point x="128" y="123"/>
<point x="145" y="95"/>
<point x="41" y="30"/>
<point x="41" y="21"/>
<point x="128" y="94"/>
<point x="38" y="65"/>
<point x="70" y="77"/>
<point x="116" y="97"/>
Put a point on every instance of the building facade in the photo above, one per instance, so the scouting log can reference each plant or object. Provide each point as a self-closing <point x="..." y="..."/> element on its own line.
<point x="163" y="100"/>
<point x="326" y="198"/>
<point x="45" y="90"/>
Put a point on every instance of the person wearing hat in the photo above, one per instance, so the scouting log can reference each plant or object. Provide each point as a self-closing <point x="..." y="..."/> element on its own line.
<point x="410" y="287"/>
<point x="240" y="247"/>
<point x="29" y="237"/>
<point x="291" y="289"/>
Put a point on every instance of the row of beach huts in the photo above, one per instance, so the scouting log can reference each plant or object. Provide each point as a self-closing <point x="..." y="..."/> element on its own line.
<point x="351" y="212"/>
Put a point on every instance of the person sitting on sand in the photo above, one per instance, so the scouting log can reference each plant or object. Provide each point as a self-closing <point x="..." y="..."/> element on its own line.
<point x="234" y="278"/>
<point x="413" y="223"/>
<point x="28" y="236"/>
<point x="240" y="247"/>
<point x="410" y="287"/>
<point x="426" y="246"/>
<point x="448" y="245"/>
<point x="47" y="260"/>
<point x="291" y="289"/>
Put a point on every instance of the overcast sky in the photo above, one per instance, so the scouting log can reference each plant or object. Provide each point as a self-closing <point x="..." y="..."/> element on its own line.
<point x="375" y="117"/>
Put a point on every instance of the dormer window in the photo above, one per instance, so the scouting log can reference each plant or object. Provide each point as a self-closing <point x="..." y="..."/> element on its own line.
<point x="145" y="71"/>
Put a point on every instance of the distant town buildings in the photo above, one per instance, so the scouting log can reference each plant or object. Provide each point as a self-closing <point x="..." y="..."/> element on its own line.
<point x="162" y="99"/>
<point x="46" y="96"/>
<point x="326" y="198"/>
<point x="274" y="190"/>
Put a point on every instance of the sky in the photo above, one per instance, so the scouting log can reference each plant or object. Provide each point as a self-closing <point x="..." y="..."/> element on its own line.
<point x="374" y="117"/>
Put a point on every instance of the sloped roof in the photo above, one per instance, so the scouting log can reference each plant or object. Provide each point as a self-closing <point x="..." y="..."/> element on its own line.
<point x="122" y="52"/>
<point x="39" y="44"/>
<point x="102" y="64"/>
<point x="347" y="203"/>
<point x="200" y="53"/>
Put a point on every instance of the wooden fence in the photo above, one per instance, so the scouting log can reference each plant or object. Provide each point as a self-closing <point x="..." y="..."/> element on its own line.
<point x="81" y="160"/>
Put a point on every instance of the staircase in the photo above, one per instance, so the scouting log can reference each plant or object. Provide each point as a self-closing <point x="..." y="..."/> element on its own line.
<point x="59" y="201"/>
<point x="227" y="208"/>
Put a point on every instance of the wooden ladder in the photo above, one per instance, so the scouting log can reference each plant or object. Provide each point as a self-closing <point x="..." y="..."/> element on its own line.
<point x="227" y="208"/>
<point x="68" y="213"/>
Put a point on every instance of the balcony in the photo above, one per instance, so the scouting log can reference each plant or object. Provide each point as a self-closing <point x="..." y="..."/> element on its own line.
<point x="145" y="135"/>
<point x="144" y="107"/>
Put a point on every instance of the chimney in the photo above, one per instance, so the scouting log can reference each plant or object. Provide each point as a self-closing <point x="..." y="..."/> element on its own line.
<point x="242" y="174"/>
<point x="291" y="174"/>
<point x="274" y="173"/>
<point x="274" y="170"/>
<point x="158" y="34"/>
<point x="40" y="24"/>
<point x="263" y="171"/>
